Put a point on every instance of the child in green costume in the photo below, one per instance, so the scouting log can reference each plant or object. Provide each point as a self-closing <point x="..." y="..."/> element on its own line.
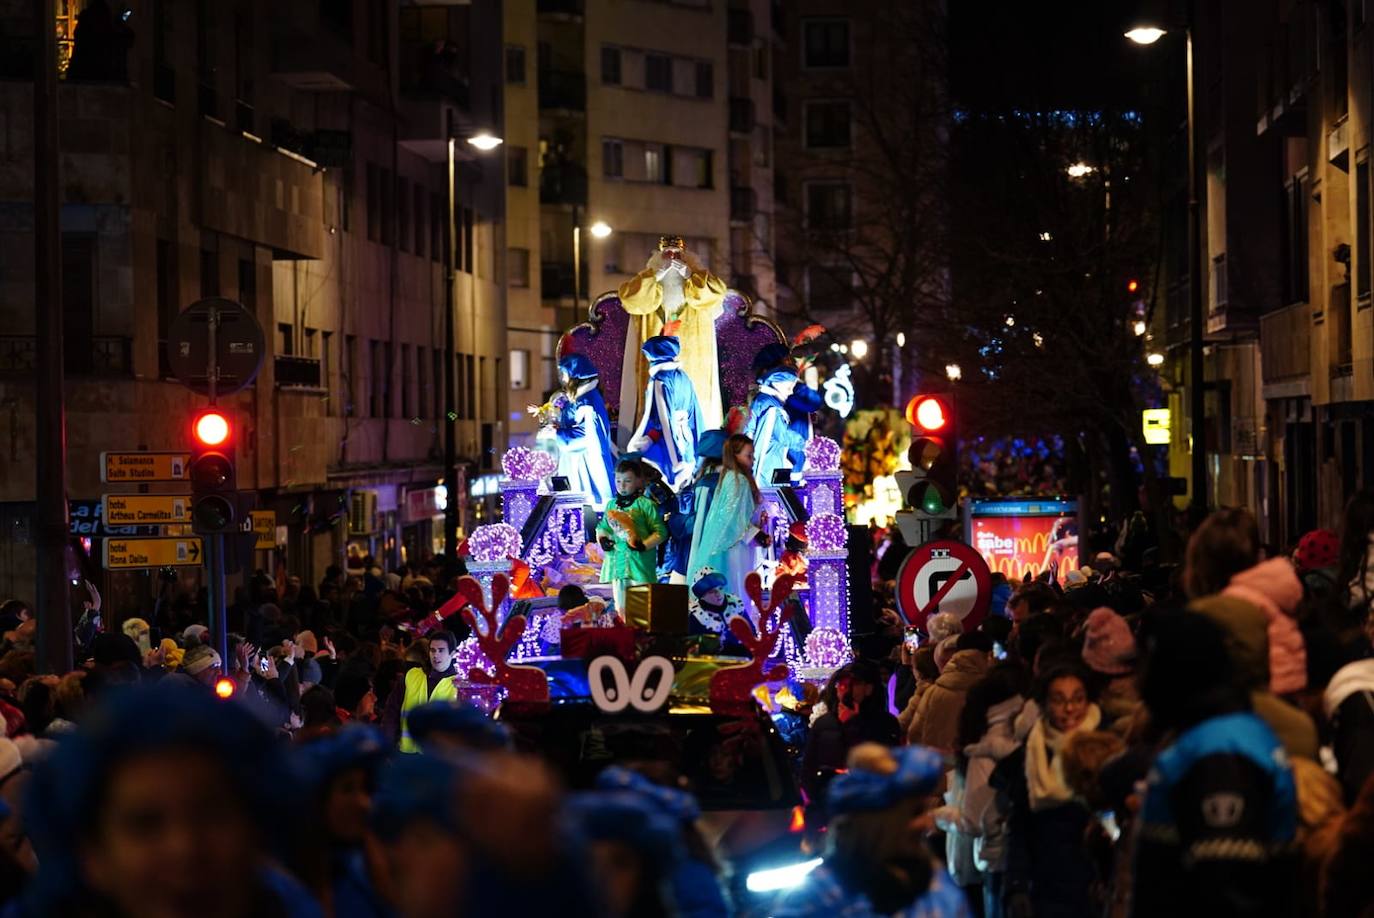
<point x="630" y="532"/>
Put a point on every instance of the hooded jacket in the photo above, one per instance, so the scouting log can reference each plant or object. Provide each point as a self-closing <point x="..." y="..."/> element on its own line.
<point x="936" y="723"/>
<point x="1247" y="640"/>
<point x="1349" y="704"/>
<point x="1273" y="587"/>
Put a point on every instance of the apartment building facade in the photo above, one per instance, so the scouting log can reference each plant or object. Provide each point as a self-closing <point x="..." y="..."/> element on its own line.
<point x="630" y="119"/>
<point x="293" y="158"/>
<point x="1286" y="115"/>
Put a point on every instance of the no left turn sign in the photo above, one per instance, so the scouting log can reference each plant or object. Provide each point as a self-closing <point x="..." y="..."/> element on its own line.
<point x="944" y="576"/>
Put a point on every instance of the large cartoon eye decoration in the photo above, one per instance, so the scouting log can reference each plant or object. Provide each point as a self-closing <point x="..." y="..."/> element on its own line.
<point x="613" y="689"/>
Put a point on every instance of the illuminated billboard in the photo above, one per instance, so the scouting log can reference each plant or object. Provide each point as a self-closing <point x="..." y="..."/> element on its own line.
<point x="1023" y="536"/>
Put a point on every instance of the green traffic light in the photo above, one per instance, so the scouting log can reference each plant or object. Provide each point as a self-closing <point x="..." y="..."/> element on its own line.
<point x="932" y="501"/>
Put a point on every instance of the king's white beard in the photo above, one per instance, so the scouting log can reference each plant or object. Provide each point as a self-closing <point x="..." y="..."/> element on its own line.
<point x="673" y="297"/>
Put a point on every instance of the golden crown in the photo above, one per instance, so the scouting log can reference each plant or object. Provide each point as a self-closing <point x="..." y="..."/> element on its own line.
<point x="671" y="242"/>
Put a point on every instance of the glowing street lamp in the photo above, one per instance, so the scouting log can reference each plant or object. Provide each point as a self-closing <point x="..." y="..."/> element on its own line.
<point x="485" y="141"/>
<point x="1139" y="327"/>
<point x="600" y="229"/>
<point x="953" y="371"/>
<point x="859" y="348"/>
<point x="1080" y="169"/>
<point x="901" y="339"/>
<point x="1145" y="35"/>
<point x="1154" y="359"/>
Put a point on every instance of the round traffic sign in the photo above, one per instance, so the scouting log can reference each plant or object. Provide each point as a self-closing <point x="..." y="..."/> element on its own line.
<point x="944" y="576"/>
<point x="238" y="346"/>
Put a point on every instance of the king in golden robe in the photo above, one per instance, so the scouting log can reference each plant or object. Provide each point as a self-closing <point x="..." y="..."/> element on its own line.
<point x="673" y="295"/>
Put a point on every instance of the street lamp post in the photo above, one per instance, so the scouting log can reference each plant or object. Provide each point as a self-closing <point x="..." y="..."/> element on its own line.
<point x="1197" y="401"/>
<point x="599" y="230"/>
<point x="483" y="142"/>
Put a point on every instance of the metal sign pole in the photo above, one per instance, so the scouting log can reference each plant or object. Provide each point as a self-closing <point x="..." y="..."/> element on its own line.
<point x="214" y="543"/>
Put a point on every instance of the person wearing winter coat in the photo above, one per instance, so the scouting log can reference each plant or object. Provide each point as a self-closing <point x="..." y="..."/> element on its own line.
<point x="987" y="735"/>
<point x="1219" y="817"/>
<point x="1246" y="633"/>
<point x="1349" y="705"/>
<point x="1274" y="588"/>
<point x="936" y="721"/>
<point x="926" y="673"/>
<point x="1049" y="871"/>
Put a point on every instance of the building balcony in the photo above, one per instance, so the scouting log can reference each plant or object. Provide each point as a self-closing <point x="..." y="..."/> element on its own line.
<point x="297" y="372"/>
<point x="743" y="203"/>
<point x="562" y="90"/>
<point x="741" y="115"/>
<point x="739" y="29"/>
<point x="86" y="355"/>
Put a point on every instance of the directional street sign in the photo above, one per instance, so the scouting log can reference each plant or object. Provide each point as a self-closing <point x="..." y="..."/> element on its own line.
<point x="143" y="466"/>
<point x="944" y="576"/>
<point x="123" y="554"/>
<point x="265" y="528"/>
<point x="146" y="509"/>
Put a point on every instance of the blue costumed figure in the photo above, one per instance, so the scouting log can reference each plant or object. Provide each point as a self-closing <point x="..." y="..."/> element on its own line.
<point x="801" y="404"/>
<point x="769" y="427"/>
<point x="684" y="526"/>
<point x="667" y="434"/>
<point x="584" y="432"/>
<point x="879" y="798"/>
<point x="733" y="531"/>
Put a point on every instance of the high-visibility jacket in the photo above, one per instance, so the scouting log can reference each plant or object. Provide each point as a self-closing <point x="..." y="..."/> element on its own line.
<point x="418" y="693"/>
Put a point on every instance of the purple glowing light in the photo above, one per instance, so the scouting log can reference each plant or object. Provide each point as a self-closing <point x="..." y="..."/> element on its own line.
<point x="494" y="542"/>
<point x="521" y="463"/>
<point x="826" y="532"/>
<point x="822" y="455"/>
<point x="827" y="648"/>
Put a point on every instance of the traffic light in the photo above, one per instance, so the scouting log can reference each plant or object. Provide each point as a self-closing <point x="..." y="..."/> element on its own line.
<point x="932" y="488"/>
<point x="214" y="492"/>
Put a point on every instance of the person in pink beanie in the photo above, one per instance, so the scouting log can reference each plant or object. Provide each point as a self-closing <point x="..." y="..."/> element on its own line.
<point x="1109" y="650"/>
<point x="1274" y="588"/>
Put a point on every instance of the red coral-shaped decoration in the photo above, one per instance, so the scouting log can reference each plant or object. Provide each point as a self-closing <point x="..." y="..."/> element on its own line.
<point x="523" y="684"/>
<point x="732" y="687"/>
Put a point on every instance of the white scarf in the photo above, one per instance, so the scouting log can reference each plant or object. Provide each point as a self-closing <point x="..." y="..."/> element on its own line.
<point x="1045" y="761"/>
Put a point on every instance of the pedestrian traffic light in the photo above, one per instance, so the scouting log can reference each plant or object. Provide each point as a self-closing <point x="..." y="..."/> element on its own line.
<point x="933" y="487"/>
<point x="214" y="493"/>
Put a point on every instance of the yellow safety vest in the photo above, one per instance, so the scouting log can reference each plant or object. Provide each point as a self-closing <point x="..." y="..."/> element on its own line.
<point x="417" y="693"/>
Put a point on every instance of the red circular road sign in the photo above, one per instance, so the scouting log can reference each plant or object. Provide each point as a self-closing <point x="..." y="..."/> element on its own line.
<point x="944" y="576"/>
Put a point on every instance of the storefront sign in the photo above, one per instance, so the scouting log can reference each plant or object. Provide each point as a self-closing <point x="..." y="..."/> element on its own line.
<point x="1157" y="424"/>
<point x="422" y="504"/>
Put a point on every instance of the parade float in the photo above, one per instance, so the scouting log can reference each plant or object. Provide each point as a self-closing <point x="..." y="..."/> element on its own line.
<point x="663" y="371"/>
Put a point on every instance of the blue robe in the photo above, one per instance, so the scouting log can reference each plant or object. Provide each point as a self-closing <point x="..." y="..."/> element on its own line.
<point x="773" y="438"/>
<point x="800" y="405"/>
<point x="702" y="494"/>
<point x="681" y="524"/>
<point x="667" y="434"/>
<point x="584" y="441"/>
<point x="726" y="542"/>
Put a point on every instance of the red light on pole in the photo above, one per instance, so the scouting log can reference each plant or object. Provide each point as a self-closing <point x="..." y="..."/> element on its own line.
<point x="211" y="428"/>
<point x="1132" y="285"/>
<point x="926" y="413"/>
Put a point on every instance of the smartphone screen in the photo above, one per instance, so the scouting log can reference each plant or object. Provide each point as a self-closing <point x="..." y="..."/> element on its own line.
<point x="912" y="638"/>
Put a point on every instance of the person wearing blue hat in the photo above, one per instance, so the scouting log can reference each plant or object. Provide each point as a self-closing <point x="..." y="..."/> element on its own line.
<point x="694" y="881"/>
<point x="474" y="834"/>
<point x="876" y="860"/>
<point x="584" y="432"/>
<point x="671" y="422"/>
<point x="165" y="802"/>
<point x="341" y="770"/>
<point x="443" y="726"/>
<point x="775" y="443"/>
<point x="712" y="605"/>
<point x="634" y="847"/>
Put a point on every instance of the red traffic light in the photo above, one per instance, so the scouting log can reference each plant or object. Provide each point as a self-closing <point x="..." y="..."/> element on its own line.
<point x="1132" y="285"/>
<point x="927" y="412"/>
<point x="211" y="428"/>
